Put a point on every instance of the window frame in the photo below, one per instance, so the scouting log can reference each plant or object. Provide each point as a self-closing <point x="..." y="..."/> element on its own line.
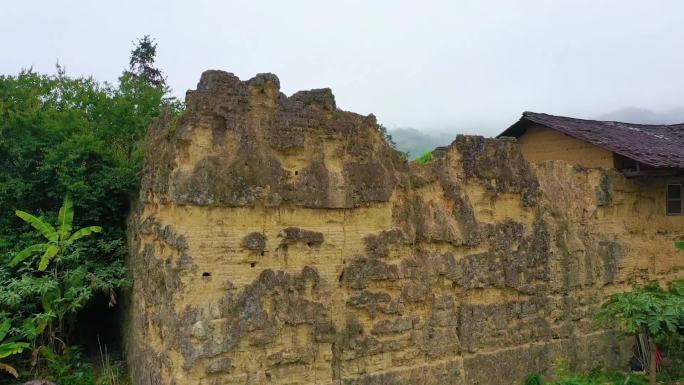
<point x="668" y="200"/>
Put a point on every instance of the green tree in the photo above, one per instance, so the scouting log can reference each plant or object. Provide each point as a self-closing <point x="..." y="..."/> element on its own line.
<point x="142" y="63"/>
<point x="650" y="312"/>
<point x="63" y="135"/>
<point x="75" y="135"/>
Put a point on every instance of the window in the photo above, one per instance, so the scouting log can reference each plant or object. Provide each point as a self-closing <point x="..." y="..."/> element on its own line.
<point x="674" y="199"/>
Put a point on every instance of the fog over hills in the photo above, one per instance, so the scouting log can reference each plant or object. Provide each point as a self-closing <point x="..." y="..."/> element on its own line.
<point x="415" y="142"/>
<point x="645" y="116"/>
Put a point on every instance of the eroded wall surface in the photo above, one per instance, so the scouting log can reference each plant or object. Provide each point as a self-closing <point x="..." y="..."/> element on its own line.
<point x="280" y="240"/>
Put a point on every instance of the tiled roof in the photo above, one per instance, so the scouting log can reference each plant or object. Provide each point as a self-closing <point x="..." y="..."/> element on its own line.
<point x="659" y="146"/>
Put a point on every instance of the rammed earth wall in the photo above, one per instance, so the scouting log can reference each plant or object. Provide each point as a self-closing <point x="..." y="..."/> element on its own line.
<point x="279" y="240"/>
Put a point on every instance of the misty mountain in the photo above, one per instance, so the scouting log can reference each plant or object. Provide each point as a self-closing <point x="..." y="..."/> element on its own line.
<point x="645" y="116"/>
<point x="416" y="142"/>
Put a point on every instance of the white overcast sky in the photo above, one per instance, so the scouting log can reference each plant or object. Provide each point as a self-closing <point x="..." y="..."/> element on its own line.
<point x="457" y="66"/>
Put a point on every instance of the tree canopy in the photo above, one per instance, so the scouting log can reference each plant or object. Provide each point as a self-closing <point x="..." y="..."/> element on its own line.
<point x="80" y="138"/>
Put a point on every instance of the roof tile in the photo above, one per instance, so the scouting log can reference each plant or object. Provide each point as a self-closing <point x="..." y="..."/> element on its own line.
<point x="654" y="145"/>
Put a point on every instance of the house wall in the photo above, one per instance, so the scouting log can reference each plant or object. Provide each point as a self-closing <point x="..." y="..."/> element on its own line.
<point x="628" y="211"/>
<point x="650" y="198"/>
<point x="540" y="144"/>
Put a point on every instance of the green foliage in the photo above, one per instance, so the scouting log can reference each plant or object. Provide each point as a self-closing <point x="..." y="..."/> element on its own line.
<point x="595" y="377"/>
<point x="660" y="312"/>
<point x="68" y="367"/>
<point x="113" y="371"/>
<point x="69" y="136"/>
<point x="424" y="158"/>
<point x="44" y="301"/>
<point x="9" y="347"/>
<point x="58" y="240"/>
<point x="679" y="245"/>
<point x="672" y="367"/>
<point x="62" y="135"/>
<point x="533" y="379"/>
<point x="655" y="314"/>
<point x="142" y="62"/>
<point x="602" y="378"/>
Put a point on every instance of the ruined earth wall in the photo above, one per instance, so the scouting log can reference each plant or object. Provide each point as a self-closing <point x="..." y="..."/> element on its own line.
<point x="280" y="240"/>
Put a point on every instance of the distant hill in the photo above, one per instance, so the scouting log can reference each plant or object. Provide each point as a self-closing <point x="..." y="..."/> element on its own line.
<point x="416" y="142"/>
<point x="645" y="116"/>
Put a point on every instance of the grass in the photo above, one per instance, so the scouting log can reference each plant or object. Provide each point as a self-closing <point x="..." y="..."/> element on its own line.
<point x="424" y="158"/>
<point x="596" y="377"/>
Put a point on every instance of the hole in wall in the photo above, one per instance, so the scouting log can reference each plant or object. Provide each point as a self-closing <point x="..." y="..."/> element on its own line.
<point x="206" y="274"/>
<point x="252" y="264"/>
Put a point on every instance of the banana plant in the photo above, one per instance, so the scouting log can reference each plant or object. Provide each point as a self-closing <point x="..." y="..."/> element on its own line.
<point x="57" y="239"/>
<point x="9" y="348"/>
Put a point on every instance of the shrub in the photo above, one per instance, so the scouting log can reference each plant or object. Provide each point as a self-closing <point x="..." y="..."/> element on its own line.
<point x="9" y="347"/>
<point x="533" y="379"/>
<point x="424" y="158"/>
<point x="653" y="314"/>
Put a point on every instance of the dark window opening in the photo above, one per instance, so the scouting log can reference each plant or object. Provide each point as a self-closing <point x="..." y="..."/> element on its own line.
<point x="674" y="199"/>
<point x="206" y="274"/>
